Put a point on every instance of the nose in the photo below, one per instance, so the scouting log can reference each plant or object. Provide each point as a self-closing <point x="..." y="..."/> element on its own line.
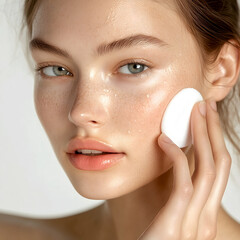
<point x="90" y="108"/>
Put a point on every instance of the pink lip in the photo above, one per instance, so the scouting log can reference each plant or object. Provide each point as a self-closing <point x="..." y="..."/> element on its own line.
<point x="92" y="163"/>
<point x="77" y="144"/>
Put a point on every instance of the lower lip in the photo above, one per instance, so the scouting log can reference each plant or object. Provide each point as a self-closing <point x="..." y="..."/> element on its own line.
<point x="94" y="163"/>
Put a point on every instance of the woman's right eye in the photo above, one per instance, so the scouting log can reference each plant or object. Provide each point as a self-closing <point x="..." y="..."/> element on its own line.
<point x="54" y="71"/>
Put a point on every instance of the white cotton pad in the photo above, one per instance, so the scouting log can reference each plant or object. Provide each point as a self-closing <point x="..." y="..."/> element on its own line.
<point x="176" y="118"/>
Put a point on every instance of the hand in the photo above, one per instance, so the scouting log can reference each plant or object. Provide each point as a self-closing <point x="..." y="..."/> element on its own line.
<point x="192" y="209"/>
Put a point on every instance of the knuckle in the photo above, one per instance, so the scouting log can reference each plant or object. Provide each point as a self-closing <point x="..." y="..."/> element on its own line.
<point x="187" y="190"/>
<point x="189" y="236"/>
<point x="226" y="159"/>
<point x="209" y="233"/>
<point x="172" y="235"/>
<point x="189" y="229"/>
<point x="210" y="174"/>
<point x="210" y="226"/>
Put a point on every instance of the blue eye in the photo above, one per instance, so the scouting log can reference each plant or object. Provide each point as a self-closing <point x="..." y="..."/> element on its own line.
<point x="133" y="68"/>
<point x="54" y="71"/>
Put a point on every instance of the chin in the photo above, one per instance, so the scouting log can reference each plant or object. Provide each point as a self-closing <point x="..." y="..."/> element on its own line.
<point x="108" y="187"/>
<point x="100" y="195"/>
<point x="101" y="191"/>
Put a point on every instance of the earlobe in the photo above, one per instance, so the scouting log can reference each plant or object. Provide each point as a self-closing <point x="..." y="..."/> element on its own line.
<point x="224" y="75"/>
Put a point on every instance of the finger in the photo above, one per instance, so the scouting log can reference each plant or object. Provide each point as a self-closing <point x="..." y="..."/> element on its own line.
<point x="168" y="221"/>
<point x="182" y="183"/>
<point x="204" y="161"/>
<point x="220" y="153"/>
<point x="208" y="220"/>
<point x="204" y="174"/>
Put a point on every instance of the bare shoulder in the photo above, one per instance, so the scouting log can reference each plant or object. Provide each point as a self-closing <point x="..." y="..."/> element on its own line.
<point x="22" y="228"/>
<point x="78" y="226"/>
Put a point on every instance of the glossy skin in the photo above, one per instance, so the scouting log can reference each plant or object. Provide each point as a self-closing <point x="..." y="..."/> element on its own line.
<point x="99" y="99"/>
<point x="120" y="105"/>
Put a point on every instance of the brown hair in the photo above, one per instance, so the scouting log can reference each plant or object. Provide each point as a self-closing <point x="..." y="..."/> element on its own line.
<point x="213" y="23"/>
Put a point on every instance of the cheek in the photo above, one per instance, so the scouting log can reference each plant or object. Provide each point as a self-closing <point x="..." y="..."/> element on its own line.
<point x="50" y="105"/>
<point x="140" y="111"/>
<point x="141" y="114"/>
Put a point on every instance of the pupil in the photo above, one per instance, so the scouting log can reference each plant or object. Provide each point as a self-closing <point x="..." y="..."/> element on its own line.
<point x="59" y="71"/>
<point x="134" y="68"/>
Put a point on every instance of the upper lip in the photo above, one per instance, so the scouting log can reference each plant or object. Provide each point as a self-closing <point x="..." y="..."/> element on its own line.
<point x="91" y="144"/>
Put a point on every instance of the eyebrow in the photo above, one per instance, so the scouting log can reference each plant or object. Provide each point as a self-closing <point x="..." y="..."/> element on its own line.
<point x="130" y="41"/>
<point x="104" y="48"/>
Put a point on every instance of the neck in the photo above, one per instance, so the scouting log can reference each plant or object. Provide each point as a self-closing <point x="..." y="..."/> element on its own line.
<point x="132" y="213"/>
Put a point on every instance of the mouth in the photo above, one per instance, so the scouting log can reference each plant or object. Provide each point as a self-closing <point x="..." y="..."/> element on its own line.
<point x="94" y="161"/>
<point x="90" y="147"/>
<point x="94" y="154"/>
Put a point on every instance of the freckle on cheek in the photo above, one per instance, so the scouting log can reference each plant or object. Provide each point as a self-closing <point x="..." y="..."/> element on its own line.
<point x="144" y="116"/>
<point x="48" y="104"/>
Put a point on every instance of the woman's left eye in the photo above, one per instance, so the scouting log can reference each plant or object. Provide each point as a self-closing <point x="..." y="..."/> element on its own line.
<point x="133" y="68"/>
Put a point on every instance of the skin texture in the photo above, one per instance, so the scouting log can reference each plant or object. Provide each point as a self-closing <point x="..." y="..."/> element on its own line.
<point x="67" y="106"/>
<point x="99" y="100"/>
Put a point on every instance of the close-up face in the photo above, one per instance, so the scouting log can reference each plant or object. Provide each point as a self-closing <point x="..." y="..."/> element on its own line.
<point x="100" y="93"/>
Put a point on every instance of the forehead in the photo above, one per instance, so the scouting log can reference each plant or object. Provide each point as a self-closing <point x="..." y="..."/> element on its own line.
<point x="94" y="19"/>
<point x="79" y="26"/>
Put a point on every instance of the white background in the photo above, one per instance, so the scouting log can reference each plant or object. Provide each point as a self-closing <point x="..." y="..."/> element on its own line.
<point x="32" y="182"/>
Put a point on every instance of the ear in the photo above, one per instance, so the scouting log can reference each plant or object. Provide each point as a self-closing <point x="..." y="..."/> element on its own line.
<point x="224" y="73"/>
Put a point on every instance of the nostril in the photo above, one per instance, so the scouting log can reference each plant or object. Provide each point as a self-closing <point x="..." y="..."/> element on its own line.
<point x="93" y="123"/>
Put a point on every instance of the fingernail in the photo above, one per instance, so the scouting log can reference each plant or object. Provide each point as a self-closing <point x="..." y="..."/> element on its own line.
<point x="165" y="138"/>
<point x="202" y="108"/>
<point x="213" y="105"/>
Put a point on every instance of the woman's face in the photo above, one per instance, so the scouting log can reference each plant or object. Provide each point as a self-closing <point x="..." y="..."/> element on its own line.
<point x="104" y="98"/>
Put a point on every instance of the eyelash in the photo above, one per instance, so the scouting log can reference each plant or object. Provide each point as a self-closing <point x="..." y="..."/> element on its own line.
<point x="40" y="67"/>
<point x="135" y="61"/>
